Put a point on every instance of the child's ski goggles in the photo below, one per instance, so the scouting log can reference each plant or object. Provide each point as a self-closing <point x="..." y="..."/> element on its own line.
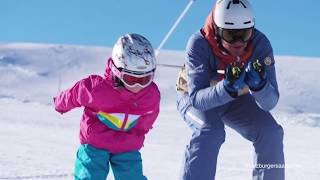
<point x="235" y="35"/>
<point x="132" y="78"/>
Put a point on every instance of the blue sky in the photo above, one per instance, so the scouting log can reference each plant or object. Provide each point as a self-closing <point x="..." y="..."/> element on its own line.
<point x="292" y="26"/>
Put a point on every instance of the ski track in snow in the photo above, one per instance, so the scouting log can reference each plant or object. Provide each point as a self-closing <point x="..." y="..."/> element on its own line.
<point x="39" y="143"/>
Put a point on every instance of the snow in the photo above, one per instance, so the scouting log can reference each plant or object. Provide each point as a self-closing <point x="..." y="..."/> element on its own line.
<point x="39" y="143"/>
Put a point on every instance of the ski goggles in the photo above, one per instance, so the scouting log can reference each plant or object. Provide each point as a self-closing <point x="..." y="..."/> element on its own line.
<point x="132" y="78"/>
<point x="235" y="35"/>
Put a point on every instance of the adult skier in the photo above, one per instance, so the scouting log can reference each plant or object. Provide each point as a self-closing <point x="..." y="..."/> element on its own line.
<point x="230" y="80"/>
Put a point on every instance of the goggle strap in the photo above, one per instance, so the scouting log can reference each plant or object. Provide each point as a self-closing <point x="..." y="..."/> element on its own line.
<point x="114" y="69"/>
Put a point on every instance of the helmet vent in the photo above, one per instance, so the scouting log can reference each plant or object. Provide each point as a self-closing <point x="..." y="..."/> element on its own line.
<point x="243" y="4"/>
<point x="247" y="22"/>
<point x="235" y="1"/>
<point x="229" y="23"/>
<point x="228" y="7"/>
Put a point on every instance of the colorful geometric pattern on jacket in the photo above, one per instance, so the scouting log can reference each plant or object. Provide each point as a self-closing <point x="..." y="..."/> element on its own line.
<point x="118" y="121"/>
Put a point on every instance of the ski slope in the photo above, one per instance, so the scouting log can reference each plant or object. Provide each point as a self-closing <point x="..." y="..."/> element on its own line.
<point x="38" y="143"/>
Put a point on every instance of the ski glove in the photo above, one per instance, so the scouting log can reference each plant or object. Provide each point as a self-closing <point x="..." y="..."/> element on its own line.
<point x="256" y="76"/>
<point x="234" y="79"/>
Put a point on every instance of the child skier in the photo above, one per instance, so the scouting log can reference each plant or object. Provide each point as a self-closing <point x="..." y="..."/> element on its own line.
<point x="119" y="110"/>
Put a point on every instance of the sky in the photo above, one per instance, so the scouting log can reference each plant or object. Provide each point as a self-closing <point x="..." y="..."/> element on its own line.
<point x="292" y="26"/>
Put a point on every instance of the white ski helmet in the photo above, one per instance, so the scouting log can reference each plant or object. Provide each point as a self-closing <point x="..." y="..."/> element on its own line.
<point x="133" y="52"/>
<point x="233" y="14"/>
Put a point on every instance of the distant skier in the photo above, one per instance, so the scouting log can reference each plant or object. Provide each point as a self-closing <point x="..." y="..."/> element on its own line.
<point x="119" y="110"/>
<point x="230" y="80"/>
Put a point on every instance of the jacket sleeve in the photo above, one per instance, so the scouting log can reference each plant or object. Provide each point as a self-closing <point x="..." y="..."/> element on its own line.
<point x="202" y="95"/>
<point x="268" y="96"/>
<point x="147" y="120"/>
<point x="77" y="96"/>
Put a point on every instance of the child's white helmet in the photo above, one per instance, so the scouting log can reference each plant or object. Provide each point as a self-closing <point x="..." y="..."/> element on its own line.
<point x="134" y="53"/>
<point x="233" y="14"/>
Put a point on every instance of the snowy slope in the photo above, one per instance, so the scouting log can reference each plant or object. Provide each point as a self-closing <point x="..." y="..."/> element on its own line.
<point x="38" y="143"/>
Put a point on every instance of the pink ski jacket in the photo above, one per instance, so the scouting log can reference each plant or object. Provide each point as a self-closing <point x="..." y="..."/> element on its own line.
<point x="114" y="118"/>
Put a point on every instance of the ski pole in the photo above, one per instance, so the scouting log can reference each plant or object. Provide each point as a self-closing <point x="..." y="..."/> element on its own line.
<point x="174" y="26"/>
<point x="219" y="71"/>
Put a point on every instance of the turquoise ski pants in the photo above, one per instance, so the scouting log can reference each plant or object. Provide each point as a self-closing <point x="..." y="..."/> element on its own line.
<point x="93" y="164"/>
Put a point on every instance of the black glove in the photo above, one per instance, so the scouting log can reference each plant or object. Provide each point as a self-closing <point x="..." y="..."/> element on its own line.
<point x="234" y="79"/>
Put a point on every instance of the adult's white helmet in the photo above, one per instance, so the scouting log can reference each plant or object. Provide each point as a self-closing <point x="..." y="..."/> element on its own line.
<point x="233" y="14"/>
<point x="133" y="52"/>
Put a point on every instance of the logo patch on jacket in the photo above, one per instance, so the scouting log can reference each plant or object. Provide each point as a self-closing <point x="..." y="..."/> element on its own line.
<point x="268" y="61"/>
<point x="118" y="121"/>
